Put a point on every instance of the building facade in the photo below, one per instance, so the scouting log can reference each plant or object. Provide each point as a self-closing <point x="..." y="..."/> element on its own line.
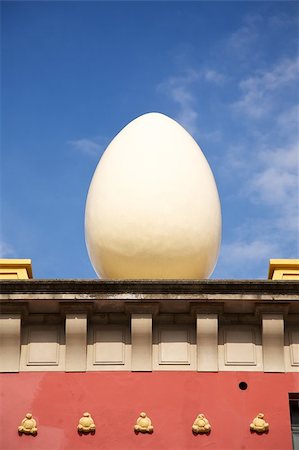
<point x="227" y="349"/>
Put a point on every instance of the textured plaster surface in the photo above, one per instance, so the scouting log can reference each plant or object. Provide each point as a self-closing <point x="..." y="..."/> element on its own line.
<point x="172" y="401"/>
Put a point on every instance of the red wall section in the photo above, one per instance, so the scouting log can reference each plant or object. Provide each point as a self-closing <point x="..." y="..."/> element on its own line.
<point x="171" y="399"/>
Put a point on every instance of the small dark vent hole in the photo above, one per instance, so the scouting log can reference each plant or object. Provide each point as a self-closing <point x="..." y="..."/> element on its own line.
<point x="243" y="386"/>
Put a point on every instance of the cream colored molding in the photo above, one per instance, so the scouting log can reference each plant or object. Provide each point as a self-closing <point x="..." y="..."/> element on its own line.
<point x="43" y="346"/>
<point x="239" y="346"/>
<point x="76" y="342"/>
<point x="273" y="342"/>
<point x="201" y="425"/>
<point x="207" y="342"/>
<point x="294" y="347"/>
<point x="209" y="307"/>
<point x="143" y="424"/>
<point x="12" y="307"/>
<point x="85" y="307"/>
<point x="86" y="424"/>
<point x="142" y="308"/>
<point x="259" y="425"/>
<point x="10" y="342"/>
<point x="28" y="425"/>
<point x="141" y="338"/>
<point x="174" y="345"/>
<point x="109" y="345"/>
<point x="275" y="308"/>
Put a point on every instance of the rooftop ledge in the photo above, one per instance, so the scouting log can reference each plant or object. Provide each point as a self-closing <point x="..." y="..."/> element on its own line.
<point x="176" y="287"/>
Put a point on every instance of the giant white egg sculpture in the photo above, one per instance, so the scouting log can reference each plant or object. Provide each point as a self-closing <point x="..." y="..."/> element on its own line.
<point x="153" y="209"/>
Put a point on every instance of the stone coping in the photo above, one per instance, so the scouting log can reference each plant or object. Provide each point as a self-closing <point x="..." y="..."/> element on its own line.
<point x="170" y="287"/>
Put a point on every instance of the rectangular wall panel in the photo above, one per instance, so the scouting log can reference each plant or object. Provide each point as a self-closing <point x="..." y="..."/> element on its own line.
<point x="109" y="345"/>
<point x="174" y="346"/>
<point x="10" y="342"/>
<point x="43" y="346"/>
<point x="239" y="346"/>
<point x="294" y="347"/>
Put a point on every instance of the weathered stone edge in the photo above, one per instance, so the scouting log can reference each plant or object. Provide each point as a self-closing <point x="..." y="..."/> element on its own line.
<point x="150" y="286"/>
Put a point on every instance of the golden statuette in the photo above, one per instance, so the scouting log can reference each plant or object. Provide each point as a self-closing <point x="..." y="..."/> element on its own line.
<point x="201" y="425"/>
<point x="28" y="425"/>
<point x="143" y="424"/>
<point x="86" y="424"/>
<point x="259" y="425"/>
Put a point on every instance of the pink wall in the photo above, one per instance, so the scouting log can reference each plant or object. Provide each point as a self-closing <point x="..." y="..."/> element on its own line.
<point x="171" y="399"/>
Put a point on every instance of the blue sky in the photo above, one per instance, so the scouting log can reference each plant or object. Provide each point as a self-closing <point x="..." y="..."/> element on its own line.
<point x="75" y="73"/>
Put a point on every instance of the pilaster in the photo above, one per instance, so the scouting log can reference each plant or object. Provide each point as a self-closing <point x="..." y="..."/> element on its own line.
<point x="273" y="342"/>
<point x="207" y="342"/>
<point x="10" y="342"/>
<point x="141" y="340"/>
<point x="75" y="342"/>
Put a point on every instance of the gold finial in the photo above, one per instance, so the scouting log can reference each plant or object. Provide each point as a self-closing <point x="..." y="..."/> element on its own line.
<point x="86" y="424"/>
<point x="201" y="425"/>
<point x="28" y="425"/>
<point x="259" y="425"/>
<point x="143" y="424"/>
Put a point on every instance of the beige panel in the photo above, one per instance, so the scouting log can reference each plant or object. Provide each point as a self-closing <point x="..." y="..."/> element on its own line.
<point x="239" y="346"/>
<point x="273" y="342"/>
<point x="10" y="342"/>
<point x="109" y="346"/>
<point x="294" y="347"/>
<point x="141" y="337"/>
<point x="43" y="346"/>
<point x="207" y="342"/>
<point x="76" y="342"/>
<point x="174" y="346"/>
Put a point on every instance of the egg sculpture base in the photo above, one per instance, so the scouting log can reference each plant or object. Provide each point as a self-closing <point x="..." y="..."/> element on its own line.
<point x="153" y="209"/>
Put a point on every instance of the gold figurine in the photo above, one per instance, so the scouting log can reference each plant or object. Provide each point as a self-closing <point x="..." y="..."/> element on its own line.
<point x="201" y="425"/>
<point x="86" y="424"/>
<point x="28" y="425"/>
<point x="259" y="425"/>
<point x="143" y="424"/>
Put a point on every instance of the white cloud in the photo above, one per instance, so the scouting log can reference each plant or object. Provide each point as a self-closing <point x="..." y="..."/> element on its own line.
<point x="269" y="180"/>
<point x="6" y="250"/>
<point x="214" y="76"/>
<point x="184" y="91"/>
<point x="276" y="185"/>
<point x="283" y="21"/>
<point x="242" y="39"/>
<point x="243" y="257"/>
<point x="259" y="92"/>
<point x="288" y="120"/>
<point x="89" y="147"/>
<point x="248" y="251"/>
<point x="277" y="181"/>
<point x="180" y="91"/>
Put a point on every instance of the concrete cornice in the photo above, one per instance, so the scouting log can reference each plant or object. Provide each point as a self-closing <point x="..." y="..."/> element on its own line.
<point x="155" y="296"/>
<point x="164" y="287"/>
